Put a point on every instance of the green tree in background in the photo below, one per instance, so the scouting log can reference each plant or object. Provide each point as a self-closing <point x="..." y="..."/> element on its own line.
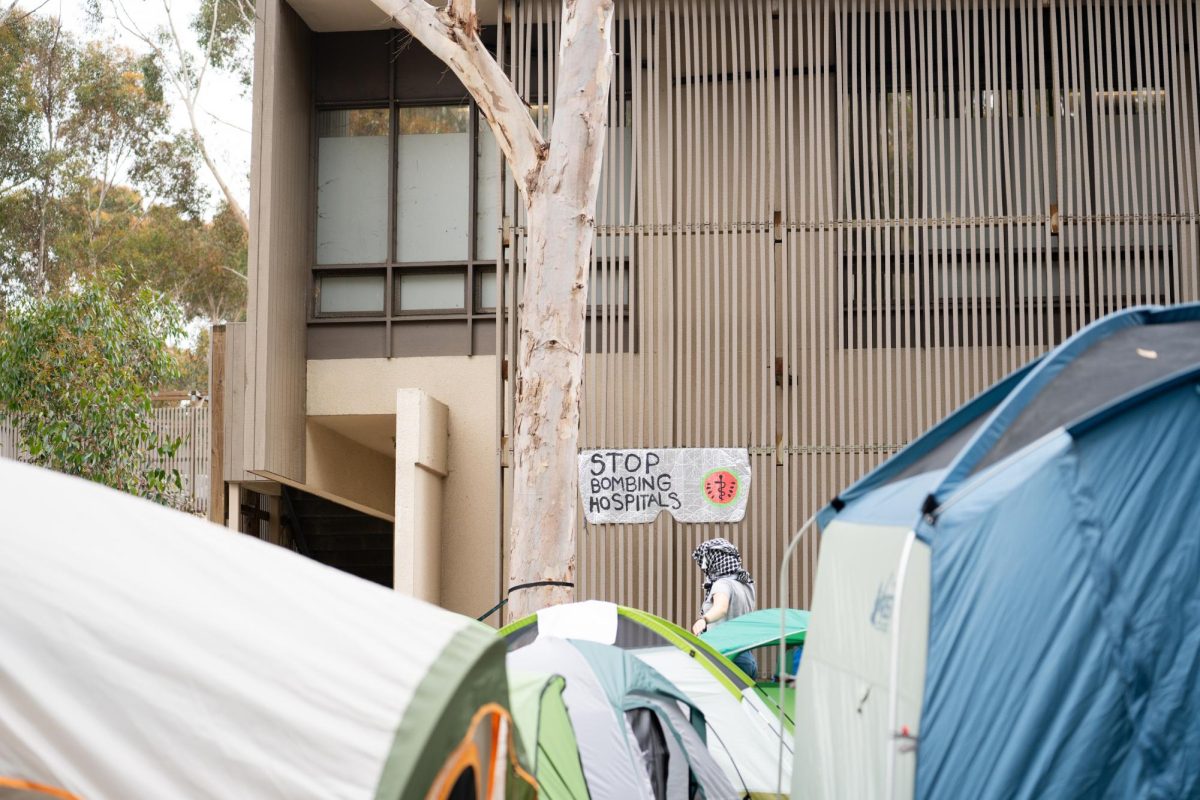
<point x="77" y="371"/>
<point x="191" y="366"/>
<point x="93" y="178"/>
<point x="95" y="153"/>
<point x="225" y="29"/>
<point x="18" y="106"/>
<point x="200" y="264"/>
<point x="224" y="40"/>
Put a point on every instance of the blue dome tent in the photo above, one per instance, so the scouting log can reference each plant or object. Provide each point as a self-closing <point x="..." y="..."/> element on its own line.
<point x="1010" y="607"/>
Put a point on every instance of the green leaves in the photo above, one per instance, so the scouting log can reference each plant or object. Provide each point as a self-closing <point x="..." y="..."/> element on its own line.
<point x="18" y="104"/>
<point x="77" y="370"/>
<point x="226" y="28"/>
<point x="77" y="120"/>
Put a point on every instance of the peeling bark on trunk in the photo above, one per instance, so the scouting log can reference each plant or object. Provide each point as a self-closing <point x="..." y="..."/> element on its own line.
<point x="561" y="227"/>
<point x="558" y="183"/>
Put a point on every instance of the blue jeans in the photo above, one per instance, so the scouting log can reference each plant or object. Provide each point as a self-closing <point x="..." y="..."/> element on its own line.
<point x="745" y="661"/>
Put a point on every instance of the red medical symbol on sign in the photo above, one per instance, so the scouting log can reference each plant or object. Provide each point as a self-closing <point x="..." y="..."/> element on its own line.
<point x="721" y="487"/>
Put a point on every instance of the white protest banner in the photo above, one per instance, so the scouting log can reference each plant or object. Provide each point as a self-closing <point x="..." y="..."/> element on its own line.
<point x="692" y="484"/>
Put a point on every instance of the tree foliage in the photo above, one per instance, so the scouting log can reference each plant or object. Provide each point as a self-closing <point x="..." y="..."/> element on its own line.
<point x="225" y="28"/>
<point x="199" y="264"/>
<point x="92" y="176"/>
<point x="77" y="371"/>
<point x="191" y="366"/>
<point x="18" y="105"/>
<point x="95" y="127"/>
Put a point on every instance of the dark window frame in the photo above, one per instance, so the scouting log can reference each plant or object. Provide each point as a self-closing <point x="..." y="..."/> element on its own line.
<point x="472" y="312"/>
<point x="449" y="268"/>
<point x="445" y="91"/>
<point x="339" y="271"/>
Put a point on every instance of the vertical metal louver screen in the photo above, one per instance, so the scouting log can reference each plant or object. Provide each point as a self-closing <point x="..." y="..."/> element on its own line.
<point x="824" y="225"/>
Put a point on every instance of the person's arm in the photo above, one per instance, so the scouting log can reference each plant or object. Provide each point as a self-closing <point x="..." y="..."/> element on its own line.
<point x="720" y="607"/>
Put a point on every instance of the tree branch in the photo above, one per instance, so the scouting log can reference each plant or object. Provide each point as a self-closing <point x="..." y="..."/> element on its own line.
<point x="235" y="272"/>
<point x="212" y="36"/>
<point x="246" y="10"/>
<point x="463" y="12"/>
<point x="12" y="8"/>
<point x="234" y="206"/>
<point x="454" y="39"/>
<point x="188" y="89"/>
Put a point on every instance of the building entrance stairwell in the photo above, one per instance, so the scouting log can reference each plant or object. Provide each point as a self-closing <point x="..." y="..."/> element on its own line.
<point x="340" y="537"/>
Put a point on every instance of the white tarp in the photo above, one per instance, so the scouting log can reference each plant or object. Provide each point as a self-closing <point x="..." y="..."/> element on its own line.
<point x="843" y="699"/>
<point x="692" y="484"/>
<point x="593" y="620"/>
<point x="145" y="653"/>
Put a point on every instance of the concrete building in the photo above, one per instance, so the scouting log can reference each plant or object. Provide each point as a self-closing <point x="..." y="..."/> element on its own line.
<point x="822" y="226"/>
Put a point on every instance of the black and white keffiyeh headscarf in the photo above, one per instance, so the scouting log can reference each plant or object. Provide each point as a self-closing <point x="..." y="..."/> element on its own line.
<point x="718" y="558"/>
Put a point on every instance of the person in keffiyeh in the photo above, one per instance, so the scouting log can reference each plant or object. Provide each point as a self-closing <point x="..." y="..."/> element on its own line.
<point x="728" y="591"/>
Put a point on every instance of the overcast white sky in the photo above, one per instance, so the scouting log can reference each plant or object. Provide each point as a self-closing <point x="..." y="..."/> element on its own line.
<point x="224" y="107"/>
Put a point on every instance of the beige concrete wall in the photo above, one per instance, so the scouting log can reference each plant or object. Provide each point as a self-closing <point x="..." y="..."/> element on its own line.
<point x="341" y="466"/>
<point x="470" y="569"/>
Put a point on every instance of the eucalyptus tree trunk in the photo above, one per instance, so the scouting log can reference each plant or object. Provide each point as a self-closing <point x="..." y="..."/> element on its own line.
<point x="558" y="181"/>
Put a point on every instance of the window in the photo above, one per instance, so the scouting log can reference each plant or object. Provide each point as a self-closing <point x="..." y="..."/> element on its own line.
<point x="485" y="290"/>
<point x="352" y="157"/>
<point x="411" y="247"/>
<point x="433" y="183"/>
<point x="431" y="291"/>
<point x="351" y="294"/>
<point x="408" y="208"/>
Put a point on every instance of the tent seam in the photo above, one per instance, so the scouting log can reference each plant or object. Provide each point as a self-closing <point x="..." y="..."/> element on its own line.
<point x="1093" y="531"/>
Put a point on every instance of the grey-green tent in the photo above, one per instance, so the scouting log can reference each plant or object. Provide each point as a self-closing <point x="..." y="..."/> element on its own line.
<point x="742" y="717"/>
<point x="145" y="653"/>
<point x="638" y="735"/>
<point x="547" y="738"/>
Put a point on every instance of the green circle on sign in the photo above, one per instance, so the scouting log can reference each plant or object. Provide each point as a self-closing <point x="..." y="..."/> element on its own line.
<point x="737" y="487"/>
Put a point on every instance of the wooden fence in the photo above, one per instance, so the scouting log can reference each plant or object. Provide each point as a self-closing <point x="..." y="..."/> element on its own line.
<point x="190" y="424"/>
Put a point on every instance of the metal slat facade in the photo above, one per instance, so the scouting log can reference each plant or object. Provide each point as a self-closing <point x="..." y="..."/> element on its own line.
<point x="824" y="225"/>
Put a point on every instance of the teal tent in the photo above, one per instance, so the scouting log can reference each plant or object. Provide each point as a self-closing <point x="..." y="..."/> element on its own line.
<point x="762" y="629"/>
<point x="1010" y="606"/>
<point x="757" y="629"/>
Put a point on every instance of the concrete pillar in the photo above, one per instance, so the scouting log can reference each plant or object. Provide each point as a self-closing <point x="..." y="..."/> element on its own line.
<point x="422" y="437"/>
<point x="234" y="505"/>
<point x="275" y="524"/>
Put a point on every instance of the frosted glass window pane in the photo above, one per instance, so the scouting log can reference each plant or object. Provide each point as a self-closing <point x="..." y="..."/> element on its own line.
<point x="432" y="178"/>
<point x="352" y="157"/>
<point x="487" y="201"/>
<point x="487" y="290"/>
<point x="424" y="291"/>
<point x="344" y="294"/>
